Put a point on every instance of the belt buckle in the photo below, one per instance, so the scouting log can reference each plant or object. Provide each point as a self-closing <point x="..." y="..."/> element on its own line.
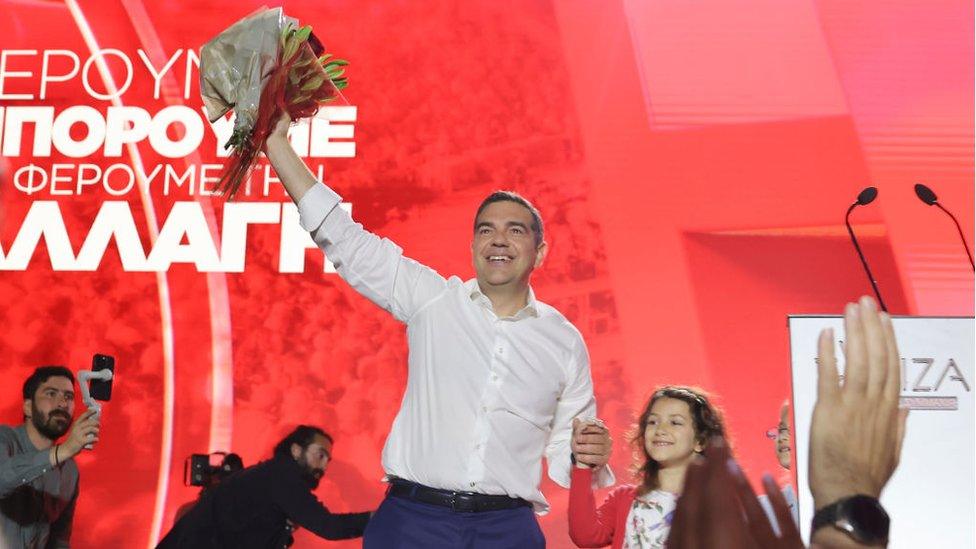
<point x="463" y="503"/>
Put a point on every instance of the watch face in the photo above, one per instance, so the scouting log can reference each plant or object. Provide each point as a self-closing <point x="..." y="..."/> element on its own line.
<point x="867" y="518"/>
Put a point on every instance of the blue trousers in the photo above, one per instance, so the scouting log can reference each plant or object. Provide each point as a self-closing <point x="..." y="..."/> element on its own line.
<point x="401" y="523"/>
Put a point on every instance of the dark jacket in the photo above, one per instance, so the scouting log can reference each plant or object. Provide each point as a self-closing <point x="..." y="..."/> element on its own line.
<point x="249" y="509"/>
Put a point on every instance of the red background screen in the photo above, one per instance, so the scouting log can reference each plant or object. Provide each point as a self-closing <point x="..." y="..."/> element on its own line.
<point x="692" y="161"/>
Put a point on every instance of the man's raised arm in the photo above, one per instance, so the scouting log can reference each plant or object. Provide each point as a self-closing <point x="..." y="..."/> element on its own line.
<point x="292" y="171"/>
<point x="375" y="267"/>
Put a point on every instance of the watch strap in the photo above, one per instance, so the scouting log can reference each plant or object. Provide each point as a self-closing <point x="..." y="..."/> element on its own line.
<point x="861" y="517"/>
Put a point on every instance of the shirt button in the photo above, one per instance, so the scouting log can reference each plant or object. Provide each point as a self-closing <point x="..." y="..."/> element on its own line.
<point x="471" y="484"/>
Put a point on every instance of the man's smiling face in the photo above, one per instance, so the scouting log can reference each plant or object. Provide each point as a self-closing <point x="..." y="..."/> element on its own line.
<point x="504" y="249"/>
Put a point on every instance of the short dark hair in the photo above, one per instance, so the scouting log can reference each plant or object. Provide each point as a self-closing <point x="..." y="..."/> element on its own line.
<point x="42" y="374"/>
<point x="511" y="196"/>
<point x="303" y="435"/>
<point x="706" y="419"/>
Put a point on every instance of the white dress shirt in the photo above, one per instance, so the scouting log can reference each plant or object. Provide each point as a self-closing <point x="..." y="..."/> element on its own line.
<point x="486" y="397"/>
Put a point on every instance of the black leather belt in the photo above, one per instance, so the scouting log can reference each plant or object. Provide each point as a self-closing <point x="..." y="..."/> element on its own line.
<point x="463" y="502"/>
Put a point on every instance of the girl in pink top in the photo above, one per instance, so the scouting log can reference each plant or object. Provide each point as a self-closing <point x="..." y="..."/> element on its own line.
<point x="675" y="426"/>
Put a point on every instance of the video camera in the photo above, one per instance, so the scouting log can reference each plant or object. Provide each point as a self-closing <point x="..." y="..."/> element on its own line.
<point x="210" y="469"/>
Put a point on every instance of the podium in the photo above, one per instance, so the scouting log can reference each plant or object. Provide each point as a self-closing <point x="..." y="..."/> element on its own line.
<point x="932" y="496"/>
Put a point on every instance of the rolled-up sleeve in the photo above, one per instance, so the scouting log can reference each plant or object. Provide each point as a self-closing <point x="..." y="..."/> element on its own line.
<point x="316" y="205"/>
<point x="375" y="267"/>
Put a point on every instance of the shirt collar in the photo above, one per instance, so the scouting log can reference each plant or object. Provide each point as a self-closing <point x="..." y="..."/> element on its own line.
<point x="474" y="292"/>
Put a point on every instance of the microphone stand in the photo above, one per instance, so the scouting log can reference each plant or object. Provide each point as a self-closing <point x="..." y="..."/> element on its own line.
<point x="961" y="235"/>
<point x="860" y="254"/>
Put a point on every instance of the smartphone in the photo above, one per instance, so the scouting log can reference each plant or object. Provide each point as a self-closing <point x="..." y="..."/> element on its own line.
<point x="102" y="390"/>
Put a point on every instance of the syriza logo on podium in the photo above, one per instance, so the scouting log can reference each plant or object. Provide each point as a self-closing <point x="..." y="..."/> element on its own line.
<point x="933" y="484"/>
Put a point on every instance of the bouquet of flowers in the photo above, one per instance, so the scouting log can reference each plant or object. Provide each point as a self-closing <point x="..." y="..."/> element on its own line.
<point x="262" y="67"/>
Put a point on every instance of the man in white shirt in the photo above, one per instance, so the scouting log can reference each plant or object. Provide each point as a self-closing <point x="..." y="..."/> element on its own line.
<point x="494" y="382"/>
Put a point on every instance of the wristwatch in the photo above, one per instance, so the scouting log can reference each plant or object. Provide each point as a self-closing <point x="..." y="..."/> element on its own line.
<point x="860" y="517"/>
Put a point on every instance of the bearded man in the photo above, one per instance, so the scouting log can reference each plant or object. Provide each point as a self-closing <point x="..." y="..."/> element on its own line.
<point x="261" y="505"/>
<point x="38" y="478"/>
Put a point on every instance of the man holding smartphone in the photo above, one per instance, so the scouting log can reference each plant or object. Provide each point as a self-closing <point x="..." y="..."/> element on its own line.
<point x="38" y="478"/>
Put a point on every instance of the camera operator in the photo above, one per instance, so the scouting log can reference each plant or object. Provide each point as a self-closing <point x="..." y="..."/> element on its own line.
<point x="230" y="464"/>
<point x="38" y="479"/>
<point x="256" y="507"/>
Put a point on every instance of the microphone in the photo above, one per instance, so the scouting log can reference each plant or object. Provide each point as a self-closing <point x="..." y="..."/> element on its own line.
<point x="864" y="198"/>
<point x="926" y="195"/>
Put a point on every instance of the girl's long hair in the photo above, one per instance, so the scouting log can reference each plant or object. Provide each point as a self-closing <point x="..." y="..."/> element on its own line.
<point x="705" y="416"/>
